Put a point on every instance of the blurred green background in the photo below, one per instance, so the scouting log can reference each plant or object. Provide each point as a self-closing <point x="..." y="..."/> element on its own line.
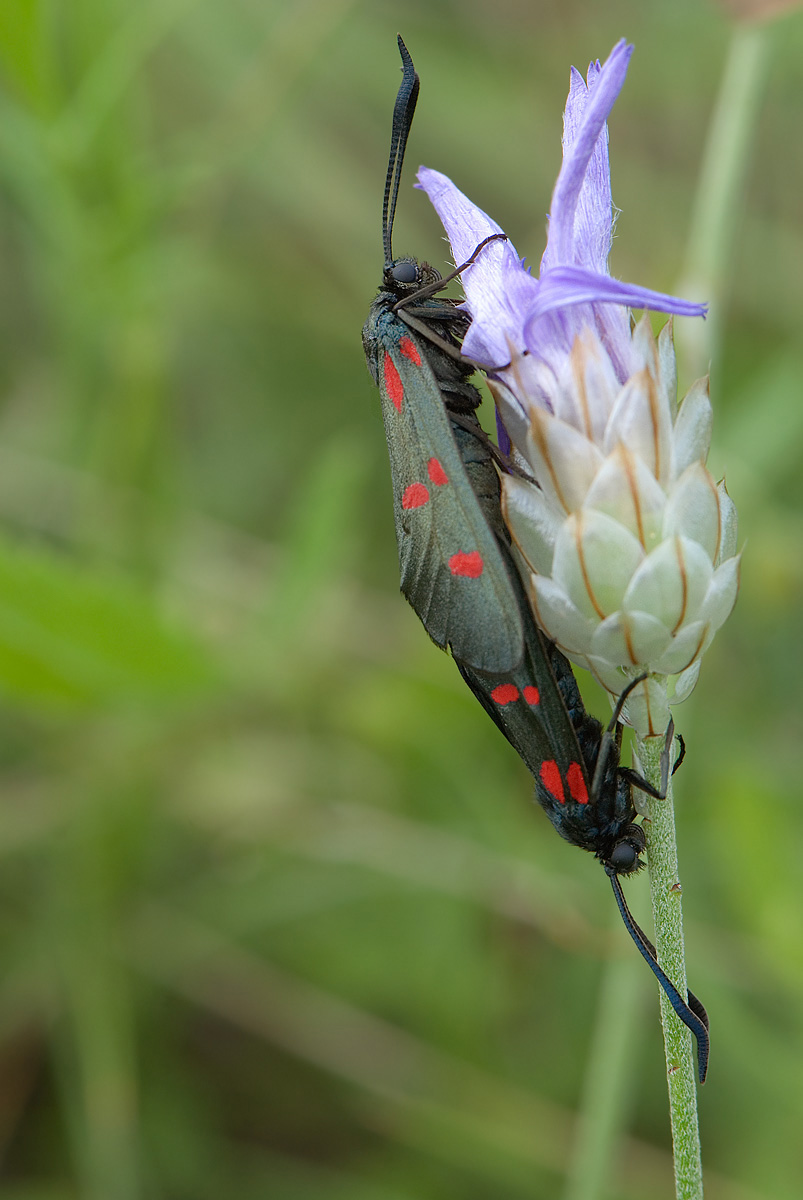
<point x="278" y="917"/>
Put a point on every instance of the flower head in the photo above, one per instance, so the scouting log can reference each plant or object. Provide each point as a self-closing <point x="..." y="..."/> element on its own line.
<point x="626" y="542"/>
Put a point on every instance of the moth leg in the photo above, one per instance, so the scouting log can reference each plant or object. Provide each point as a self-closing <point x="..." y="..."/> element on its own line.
<point x="503" y="461"/>
<point x="633" y="776"/>
<point x="681" y="754"/>
<point x="643" y="784"/>
<point x="417" y="318"/>
<point x="448" y="313"/>
<point x="620" y="703"/>
<point x="607" y="739"/>
<point x="433" y="338"/>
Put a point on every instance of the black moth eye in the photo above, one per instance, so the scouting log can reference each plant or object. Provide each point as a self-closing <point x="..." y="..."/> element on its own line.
<point x="405" y="272"/>
<point x="623" y="856"/>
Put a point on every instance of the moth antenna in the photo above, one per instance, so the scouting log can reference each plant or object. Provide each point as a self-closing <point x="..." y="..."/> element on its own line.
<point x="403" y="111"/>
<point x="692" y="1014"/>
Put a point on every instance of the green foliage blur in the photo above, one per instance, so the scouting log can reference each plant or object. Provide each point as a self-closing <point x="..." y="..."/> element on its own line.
<point x="278" y="916"/>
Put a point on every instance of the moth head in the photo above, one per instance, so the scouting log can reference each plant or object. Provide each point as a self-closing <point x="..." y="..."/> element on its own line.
<point x="624" y="857"/>
<point x="405" y="276"/>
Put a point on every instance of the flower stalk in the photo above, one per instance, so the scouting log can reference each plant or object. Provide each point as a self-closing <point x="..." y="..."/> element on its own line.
<point x="625" y="542"/>
<point x="665" y="891"/>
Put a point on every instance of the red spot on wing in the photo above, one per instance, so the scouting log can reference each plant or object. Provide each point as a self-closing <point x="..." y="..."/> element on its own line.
<point x="506" y="693"/>
<point x="470" y="565"/>
<point x="415" y="495"/>
<point x="550" y="777"/>
<point x="577" y="784"/>
<point x="436" y="473"/>
<point x="410" y="350"/>
<point x="531" y="695"/>
<point x="393" y="384"/>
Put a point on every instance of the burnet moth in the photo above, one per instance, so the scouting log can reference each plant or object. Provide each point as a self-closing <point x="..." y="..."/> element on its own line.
<point x="579" y="781"/>
<point x="458" y="573"/>
<point x="445" y="486"/>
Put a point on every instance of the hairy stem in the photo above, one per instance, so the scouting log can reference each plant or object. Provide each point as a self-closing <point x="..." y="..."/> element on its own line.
<point x="662" y="856"/>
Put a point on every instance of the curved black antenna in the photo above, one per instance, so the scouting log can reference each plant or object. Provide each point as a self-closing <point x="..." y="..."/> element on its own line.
<point x="402" y="121"/>
<point x="693" y="1015"/>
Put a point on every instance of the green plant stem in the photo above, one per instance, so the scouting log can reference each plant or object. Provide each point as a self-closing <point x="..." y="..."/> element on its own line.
<point x="665" y="890"/>
<point x="719" y="191"/>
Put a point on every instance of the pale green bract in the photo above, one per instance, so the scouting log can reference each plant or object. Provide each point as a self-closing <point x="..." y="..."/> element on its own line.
<point x="626" y="543"/>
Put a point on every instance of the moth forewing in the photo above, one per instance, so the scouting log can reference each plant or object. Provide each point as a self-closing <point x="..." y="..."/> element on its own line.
<point x="452" y="570"/>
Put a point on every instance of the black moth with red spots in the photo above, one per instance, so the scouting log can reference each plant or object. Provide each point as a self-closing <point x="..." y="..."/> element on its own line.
<point x="445" y="486"/>
<point x="458" y="573"/>
<point x="579" y="782"/>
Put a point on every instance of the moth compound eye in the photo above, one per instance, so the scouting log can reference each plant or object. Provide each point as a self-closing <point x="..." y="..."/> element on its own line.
<point x="623" y="856"/>
<point x="405" y="272"/>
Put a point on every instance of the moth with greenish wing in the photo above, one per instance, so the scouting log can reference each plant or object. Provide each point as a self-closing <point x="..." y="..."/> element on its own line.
<point x="445" y="486"/>
<point x="458" y="573"/>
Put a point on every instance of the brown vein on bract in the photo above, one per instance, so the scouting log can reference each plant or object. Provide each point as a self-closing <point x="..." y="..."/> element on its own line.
<point x="698" y="648"/>
<point x="694" y="655"/>
<point x="536" y="428"/>
<point x="538" y="435"/>
<point x="580" y="353"/>
<point x="684" y="579"/>
<point x="586" y="580"/>
<point x="653" y="732"/>
<point x="588" y="665"/>
<point x="628" y="641"/>
<point x="652" y="396"/>
<point x="652" y="346"/>
<point x="626" y="459"/>
<point x="718" y="551"/>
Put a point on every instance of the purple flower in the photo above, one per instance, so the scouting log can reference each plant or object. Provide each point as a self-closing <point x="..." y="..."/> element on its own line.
<point x="626" y="543"/>
<point x="513" y="312"/>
